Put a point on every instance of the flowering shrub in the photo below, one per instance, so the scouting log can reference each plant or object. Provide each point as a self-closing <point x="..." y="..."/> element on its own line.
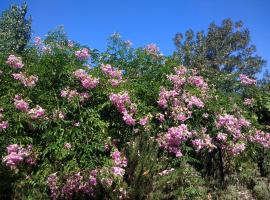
<point x="136" y="125"/>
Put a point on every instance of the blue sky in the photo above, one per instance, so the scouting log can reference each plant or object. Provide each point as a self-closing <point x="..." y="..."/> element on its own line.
<point x="146" y="21"/>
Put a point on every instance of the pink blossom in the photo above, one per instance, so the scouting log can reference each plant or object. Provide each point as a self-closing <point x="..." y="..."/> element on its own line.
<point x="3" y="125"/>
<point x="195" y="101"/>
<point x="152" y="49"/>
<point x="237" y="148"/>
<point x="181" y="70"/>
<point x="160" y="117"/>
<point x="222" y="137"/>
<point x="128" y="119"/>
<point x="82" y="54"/>
<point x="15" y="62"/>
<point x="198" y="81"/>
<point x="26" y="81"/>
<point x="37" y="41"/>
<point x="173" y="138"/>
<point x="89" y="82"/>
<point x="118" y="171"/>
<point x="248" y="102"/>
<point x="144" y="121"/>
<point x="52" y="183"/>
<point x="16" y="155"/>
<point x="118" y="159"/>
<point x="67" y="146"/>
<point x="21" y="105"/>
<point x="245" y="80"/>
<point x="36" y="112"/>
<point x="261" y="137"/>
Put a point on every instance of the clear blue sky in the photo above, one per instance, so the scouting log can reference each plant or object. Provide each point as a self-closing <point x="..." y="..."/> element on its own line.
<point x="146" y="21"/>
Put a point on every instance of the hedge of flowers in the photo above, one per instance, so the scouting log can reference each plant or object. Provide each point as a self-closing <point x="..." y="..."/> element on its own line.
<point x="70" y="131"/>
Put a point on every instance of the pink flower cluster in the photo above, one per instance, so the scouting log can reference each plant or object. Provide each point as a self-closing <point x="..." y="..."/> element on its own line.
<point x="144" y="121"/>
<point x="152" y="49"/>
<point x="124" y="106"/>
<point x="178" y="100"/>
<point x="262" y="138"/>
<point x="58" y="114"/>
<point x="205" y="142"/>
<point x="172" y="140"/>
<point x="18" y="154"/>
<point x="160" y="117"/>
<point x="52" y="183"/>
<point x="38" y="41"/>
<point x="195" y="101"/>
<point x="198" y="81"/>
<point x="87" y="81"/>
<point x="74" y="184"/>
<point x="165" y="96"/>
<point x="36" y="112"/>
<point x="119" y="162"/>
<point x="245" y="80"/>
<point x="71" y="94"/>
<point x="26" y="81"/>
<point x="15" y="62"/>
<point x="248" y="102"/>
<point x="82" y="54"/>
<point x="114" y="74"/>
<point x="236" y="148"/>
<point x="3" y="124"/>
<point x="233" y="126"/>
<point x="21" y="104"/>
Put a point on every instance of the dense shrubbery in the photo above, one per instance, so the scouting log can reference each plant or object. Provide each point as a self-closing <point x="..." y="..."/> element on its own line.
<point x="128" y="123"/>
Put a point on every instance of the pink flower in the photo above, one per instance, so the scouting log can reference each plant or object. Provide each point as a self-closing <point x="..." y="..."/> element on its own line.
<point x="114" y="74"/>
<point x="16" y="155"/>
<point x="26" y="81"/>
<point x="118" y="171"/>
<point x="262" y="138"/>
<point x="181" y="117"/>
<point x="128" y="119"/>
<point x="237" y="148"/>
<point x="245" y="80"/>
<point x="152" y="49"/>
<point x="89" y="82"/>
<point x="37" y="41"/>
<point x="20" y="104"/>
<point x="144" y="121"/>
<point x="82" y="54"/>
<point x="160" y="117"/>
<point x="67" y="146"/>
<point x="248" y="102"/>
<point x="36" y="112"/>
<point x="198" y="81"/>
<point x="222" y="137"/>
<point x="15" y="62"/>
<point x="173" y="138"/>
<point x="52" y="183"/>
<point x="3" y="125"/>
<point x="195" y="101"/>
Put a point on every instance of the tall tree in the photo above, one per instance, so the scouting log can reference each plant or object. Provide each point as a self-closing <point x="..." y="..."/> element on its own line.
<point x="15" y="29"/>
<point x="224" y="48"/>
